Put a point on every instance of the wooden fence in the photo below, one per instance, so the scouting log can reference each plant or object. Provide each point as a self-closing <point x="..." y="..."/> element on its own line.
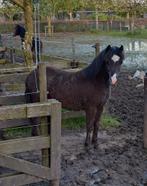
<point x="28" y="172"/>
<point x="49" y="140"/>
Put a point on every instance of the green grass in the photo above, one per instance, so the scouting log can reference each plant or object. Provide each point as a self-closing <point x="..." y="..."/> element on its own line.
<point x="110" y="121"/>
<point x="74" y="123"/>
<point x="107" y="121"/>
<point x="17" y="132"/>
<point x="138" y="33"/>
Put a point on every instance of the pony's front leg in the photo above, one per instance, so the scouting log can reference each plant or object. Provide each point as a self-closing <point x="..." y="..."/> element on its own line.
<point x="96" y="126"/>
<point x="90" y="118"/>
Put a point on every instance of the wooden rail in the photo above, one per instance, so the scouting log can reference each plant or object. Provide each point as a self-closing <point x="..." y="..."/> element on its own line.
<point x="16" y="70"/>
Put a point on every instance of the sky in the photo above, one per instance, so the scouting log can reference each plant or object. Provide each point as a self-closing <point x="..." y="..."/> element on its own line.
<point x="0" y="3"/>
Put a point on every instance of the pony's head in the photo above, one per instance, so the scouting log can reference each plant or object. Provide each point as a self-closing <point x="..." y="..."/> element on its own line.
<point x="113" y="59"/>
<point x="108" y="63"/>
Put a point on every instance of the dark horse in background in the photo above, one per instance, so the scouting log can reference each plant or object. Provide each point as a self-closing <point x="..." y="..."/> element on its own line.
<point x="87" y="89"/>
<point x="20" y="31"/>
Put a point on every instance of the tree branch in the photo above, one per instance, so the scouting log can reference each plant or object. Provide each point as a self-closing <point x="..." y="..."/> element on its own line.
<point x="18" y="3"/>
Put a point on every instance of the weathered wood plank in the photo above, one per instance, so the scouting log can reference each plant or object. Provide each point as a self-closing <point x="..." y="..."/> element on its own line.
<point x="17" y="69"/>
<point x="26" y="110"/>
<point x="42" y="82"/>
<point x="43" y="98"/>
<point x="13" y="112"/>
<point x="14" y="123"/>
<point x="11" y="78"/>
<point x="55" y="142"/>
<point x="13" y="99"/>
<point x="18" y="180"/>
<point x="25" y="167"/>
<point x="43" y="109"/>
<point x="24" y="144"/>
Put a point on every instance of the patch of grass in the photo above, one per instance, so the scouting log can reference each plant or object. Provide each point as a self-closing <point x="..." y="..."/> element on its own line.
<point x="137" y="33"/>
<point x="107" y="121"/>
<point x="74" y="123"/>
<point x="17" y="132"/>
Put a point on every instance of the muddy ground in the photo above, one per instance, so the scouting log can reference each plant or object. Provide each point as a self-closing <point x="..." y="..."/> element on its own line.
<point x="120" y="159"/>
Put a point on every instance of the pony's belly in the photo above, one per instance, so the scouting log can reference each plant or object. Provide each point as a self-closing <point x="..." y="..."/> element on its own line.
<point x="68" y="102"/>
<point x="71" y="106"/>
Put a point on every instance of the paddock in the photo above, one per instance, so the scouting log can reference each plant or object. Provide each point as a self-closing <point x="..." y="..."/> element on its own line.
<point x="127" y="140"/>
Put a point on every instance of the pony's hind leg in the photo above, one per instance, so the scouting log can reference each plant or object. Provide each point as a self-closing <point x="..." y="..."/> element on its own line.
<point x="90" y="118"/>
<point x="96" y="126"/>
<point x="32" y="97"/>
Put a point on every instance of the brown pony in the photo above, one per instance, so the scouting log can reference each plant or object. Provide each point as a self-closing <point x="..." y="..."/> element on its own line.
<point x="87" y="89"/>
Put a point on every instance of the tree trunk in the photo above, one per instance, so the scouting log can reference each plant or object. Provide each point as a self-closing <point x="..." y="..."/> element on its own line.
<point x="70" y="16"/>
<point x="96" y="19"/>
<point x="49" y="25"/>
<point x="128" y="21"/>
<point x="28" y="16"/>
<point x="132" y="23"/>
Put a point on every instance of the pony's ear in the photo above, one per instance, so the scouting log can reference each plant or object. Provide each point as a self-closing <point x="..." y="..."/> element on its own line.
<point x="121" y="48"/>
<point x="108" y="48"/>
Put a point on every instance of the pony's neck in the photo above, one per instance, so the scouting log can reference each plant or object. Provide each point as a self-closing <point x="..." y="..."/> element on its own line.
<point x="103" y="76"/>
<point x="96" y="67"/>
<point x="97" y="70"/>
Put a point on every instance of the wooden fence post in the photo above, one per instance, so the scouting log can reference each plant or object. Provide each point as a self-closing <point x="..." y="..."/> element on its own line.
<point x="55" y="132"/>
<point x="97" y="49"/>
<point x="12" y="55"/>
<point x="55" y="143"/>
<point x="43" y="98"/>
<point x="145" y="112"/>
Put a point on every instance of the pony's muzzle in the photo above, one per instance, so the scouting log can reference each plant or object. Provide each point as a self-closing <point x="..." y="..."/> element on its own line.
<point x="114" y="79"/>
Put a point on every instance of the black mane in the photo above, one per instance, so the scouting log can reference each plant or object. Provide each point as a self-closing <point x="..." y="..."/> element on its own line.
<point x="94" y="68"/>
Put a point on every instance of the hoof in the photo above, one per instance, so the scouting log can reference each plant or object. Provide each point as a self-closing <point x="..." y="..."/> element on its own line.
<point x="95" y="144"/>
<point x="87" y="144"/>
<point x="88" y="149"/>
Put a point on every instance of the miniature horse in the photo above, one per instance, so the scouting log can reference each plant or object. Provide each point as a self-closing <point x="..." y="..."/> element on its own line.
<point x="20" y="31"/>
<point x="87" y="89"/>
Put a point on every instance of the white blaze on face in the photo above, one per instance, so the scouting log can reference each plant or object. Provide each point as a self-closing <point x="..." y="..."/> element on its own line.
<point x="115" y="58"/>
<point x="114" y="79"/>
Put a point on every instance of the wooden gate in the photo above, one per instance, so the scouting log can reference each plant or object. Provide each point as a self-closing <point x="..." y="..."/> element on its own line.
<point x="25" y="171"/>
